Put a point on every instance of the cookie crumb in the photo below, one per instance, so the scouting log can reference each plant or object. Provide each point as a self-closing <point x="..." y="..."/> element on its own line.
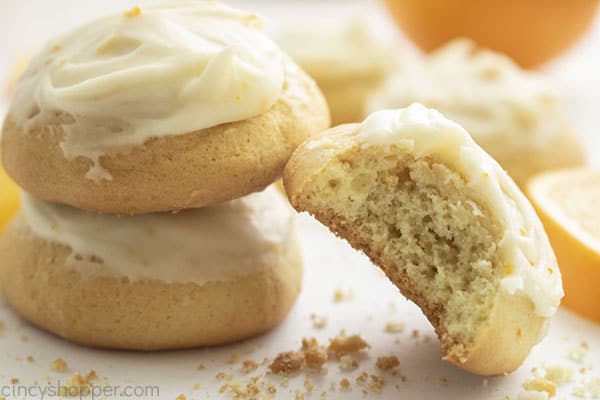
<point x="30" y="358"/>
<point x="340" y="296"/>
<point x="532" y="395"/>
<point x="558" y="374"/>
<point x="59" y="365"/>
<point x="387" y="363"/>
<point x="286" y="362"/>
<point x="14" y="381"/>
<point x="345" y="384"/>
<point x="78" y="385"/>
<point x="394" y="327"/>
<point x="308" y="385"/>
<point x="233" y="359"/>
<point x="340" y="345"/>
<point x="348" y="363"/>
<point x="197" y="386"/>
<point x="299" y="395"/>
<point x="249" y="366"/>
<point x="318" y="322"/>
<point x="181" y="397"/>
<point x="315" y="355"/>
<point x="222" y="376"/>
<point x="200" y="367"/>
<point x="541" y="385"/>
<point x="2" y="326"/>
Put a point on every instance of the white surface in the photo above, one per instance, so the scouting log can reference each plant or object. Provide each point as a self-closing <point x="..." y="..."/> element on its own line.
<point x="330" y="264"/>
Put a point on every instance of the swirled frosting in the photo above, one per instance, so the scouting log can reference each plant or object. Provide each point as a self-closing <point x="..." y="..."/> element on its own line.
<point x="524" y="247"/>
<point x="159" y="70"/>
<point x="209" y="244"/>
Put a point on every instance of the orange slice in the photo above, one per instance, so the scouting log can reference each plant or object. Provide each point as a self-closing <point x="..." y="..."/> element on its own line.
<point x="568" y="203"/>
<point x="9" y="198"/>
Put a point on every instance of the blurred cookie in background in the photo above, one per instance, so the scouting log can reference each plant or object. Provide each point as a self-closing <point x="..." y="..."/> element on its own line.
<point x="515" y="115"/>
<point x="349" y="57"/>
<point x="530" y="31"/>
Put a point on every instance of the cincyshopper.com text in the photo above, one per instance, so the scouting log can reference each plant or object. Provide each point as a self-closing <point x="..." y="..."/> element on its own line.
<point x="93" y="392"/>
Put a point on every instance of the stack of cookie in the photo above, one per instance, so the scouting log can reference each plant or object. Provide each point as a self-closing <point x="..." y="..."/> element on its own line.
<point x="142" y="141"/>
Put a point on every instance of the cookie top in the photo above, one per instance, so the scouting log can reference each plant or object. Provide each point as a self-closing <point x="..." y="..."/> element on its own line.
<point x="150" y="72"/>
<point x="340" y="49"/>
<point x="217" y="243"/>
<point x="529" y="264"/>
<point x="484" y="91"/>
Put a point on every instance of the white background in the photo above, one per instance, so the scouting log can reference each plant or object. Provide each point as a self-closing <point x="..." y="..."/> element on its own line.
<point x="329" y="263"/>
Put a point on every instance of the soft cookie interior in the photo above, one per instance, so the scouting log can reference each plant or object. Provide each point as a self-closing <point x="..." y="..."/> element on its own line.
<point x="415" y="219"/>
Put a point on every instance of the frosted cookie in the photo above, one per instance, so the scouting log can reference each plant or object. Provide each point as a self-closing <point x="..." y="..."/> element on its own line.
<point x="151" y="282"/>
<point x="348" y="58"/>
<point x="515" y="115"/>
<point x="446" y="224"/>
<point x="162" y="108"/>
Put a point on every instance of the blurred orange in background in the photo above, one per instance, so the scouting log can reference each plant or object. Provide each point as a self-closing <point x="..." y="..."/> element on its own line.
<point x="529" y="31"/>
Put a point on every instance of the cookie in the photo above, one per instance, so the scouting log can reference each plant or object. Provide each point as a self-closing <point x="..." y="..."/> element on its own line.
<point x="153" y="282"/>
<point x="348" y="58"/>
<point x="515" y="115"/>
<point x="116" y="119"/>
<point x="446" y="224"/>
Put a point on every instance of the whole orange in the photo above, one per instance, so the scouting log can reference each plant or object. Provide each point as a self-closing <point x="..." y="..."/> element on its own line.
<point x="530" y="31"/>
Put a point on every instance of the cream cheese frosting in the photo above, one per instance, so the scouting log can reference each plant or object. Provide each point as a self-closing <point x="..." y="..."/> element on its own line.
<point x="524" y="247"/>
<point x="342" y="49"/>
<point x="485" y="92"/>
<point x="209" y="244"/>
<point x="154" y="71"/>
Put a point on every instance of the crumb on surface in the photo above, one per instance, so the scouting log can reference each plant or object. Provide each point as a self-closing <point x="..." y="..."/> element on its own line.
<point x="287" y="362"/>
<point x="78" y="385"/>
<point x="181" y="397"/>
<point x="315" y="355"/>
<point x="308" y="385"/>
<point x="532" y="395"/>
<point x="387" y="363"/>
<point x="14" y="381"/>
<point x="558" y="374"/>
<point x="340" y="345"/>
<point x="345" y="384"/>
<point x="200" y="367"/>
<point x="2" y="326"/>
<point x="541" y="385"/>
<point x="341" y="295"/>
<point x="394" y="327"/>
<point x="249" y="366"/>
<point x="59" y="365"/>
<point x="318" y="322"/>
<point x="348" y="363"/>
<point x="30" y="358"/>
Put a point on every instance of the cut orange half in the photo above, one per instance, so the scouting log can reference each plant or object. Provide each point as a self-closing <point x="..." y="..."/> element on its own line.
<point x="568" y="203"/>
<point x="9" y="198"/>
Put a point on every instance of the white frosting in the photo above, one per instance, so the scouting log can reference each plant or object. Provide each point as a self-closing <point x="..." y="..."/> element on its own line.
<point x="160" y="70"/>
<point x="339" y="49"/>
<point x="209" y="244"/>
<point x="524" y="248"/>
<point x="483" y="91"/>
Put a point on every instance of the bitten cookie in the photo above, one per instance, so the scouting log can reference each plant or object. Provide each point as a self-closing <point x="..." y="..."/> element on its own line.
<point x="115" y="118"/>
<point x="446" y="224"/>
<point x="161" y="281"/>
<point x="515" y="115"/>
